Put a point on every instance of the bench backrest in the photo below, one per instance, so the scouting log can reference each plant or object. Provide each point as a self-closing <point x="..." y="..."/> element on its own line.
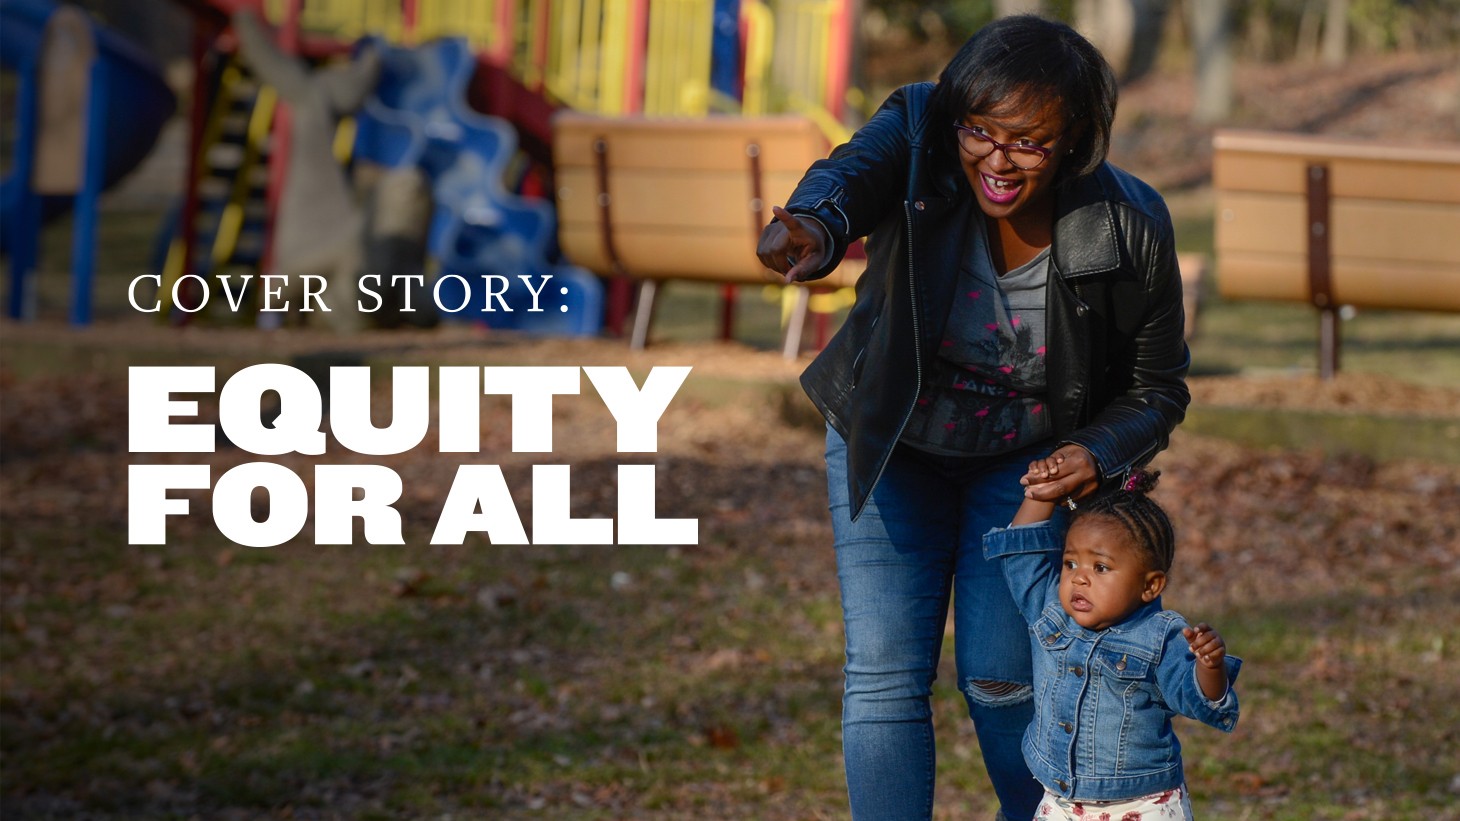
<point x="677" y="199"/>
<point x="1393" y="227"/>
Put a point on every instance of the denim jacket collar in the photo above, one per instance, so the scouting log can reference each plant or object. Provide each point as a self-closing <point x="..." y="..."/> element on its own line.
<point x="1139" y="634"/>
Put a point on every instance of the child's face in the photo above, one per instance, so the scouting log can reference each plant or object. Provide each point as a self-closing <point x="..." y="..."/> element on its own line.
<point x="1104" y="577"/>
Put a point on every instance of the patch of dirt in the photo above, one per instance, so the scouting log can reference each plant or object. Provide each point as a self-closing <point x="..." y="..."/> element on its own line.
<point x="1346" y="393"/>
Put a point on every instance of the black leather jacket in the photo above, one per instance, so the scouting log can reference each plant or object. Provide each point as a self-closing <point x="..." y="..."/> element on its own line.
<point x="1117" y="359"/>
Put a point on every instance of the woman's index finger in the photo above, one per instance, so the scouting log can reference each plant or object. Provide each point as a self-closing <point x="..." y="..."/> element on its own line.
<point x="792" y="223"/>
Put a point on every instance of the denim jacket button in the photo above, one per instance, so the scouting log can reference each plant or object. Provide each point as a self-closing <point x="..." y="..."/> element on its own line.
<point x="1067" y="726"/>
<point x="1078" y="670"/>
<point x="1062" y="785"/>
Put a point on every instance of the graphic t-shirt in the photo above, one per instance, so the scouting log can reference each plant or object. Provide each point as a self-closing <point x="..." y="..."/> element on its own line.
<point x="985" y="391"/>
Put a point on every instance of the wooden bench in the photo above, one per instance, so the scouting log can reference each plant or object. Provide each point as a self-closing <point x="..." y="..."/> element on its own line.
<point x="657" y="200"/>
<point x="1337" y="222"/>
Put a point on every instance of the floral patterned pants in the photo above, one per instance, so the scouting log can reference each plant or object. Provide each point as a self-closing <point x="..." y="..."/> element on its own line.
<point x="1171" y="805"/>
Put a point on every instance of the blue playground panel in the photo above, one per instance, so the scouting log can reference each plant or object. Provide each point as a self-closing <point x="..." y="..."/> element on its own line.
<point x="128" y="104"/>
<point x="418" y="116"/>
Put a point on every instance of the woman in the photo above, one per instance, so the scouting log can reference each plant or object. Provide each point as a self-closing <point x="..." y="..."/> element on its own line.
<point x="1021" y="300"/>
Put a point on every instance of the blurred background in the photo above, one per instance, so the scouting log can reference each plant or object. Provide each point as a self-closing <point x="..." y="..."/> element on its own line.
<point x="160" y="157"/>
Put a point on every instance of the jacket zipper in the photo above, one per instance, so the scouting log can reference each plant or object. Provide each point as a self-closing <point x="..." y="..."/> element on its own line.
<point x="912" y="293"/>
<point x="1080" y="310"/>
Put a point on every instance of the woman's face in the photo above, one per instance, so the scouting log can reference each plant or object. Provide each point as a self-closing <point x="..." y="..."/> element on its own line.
<point x="1004" y="190"/>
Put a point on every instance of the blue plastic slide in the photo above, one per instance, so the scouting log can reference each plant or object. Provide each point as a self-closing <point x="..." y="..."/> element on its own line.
<point x="480" y="232"/>
<point x="124" y="112"/>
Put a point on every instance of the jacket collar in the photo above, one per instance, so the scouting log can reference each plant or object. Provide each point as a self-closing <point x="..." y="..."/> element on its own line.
<point x="1139" y="633"/>
<point x="1085" y="237"/>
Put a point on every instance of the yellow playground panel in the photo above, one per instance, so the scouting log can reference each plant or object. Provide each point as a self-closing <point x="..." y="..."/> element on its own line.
<point x="619" y="57"/>
<point x="479" y="21"/>
<point x="677" y="65"/>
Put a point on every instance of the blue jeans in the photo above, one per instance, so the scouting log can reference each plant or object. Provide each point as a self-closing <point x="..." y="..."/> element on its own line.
<point x="919" y="541"/>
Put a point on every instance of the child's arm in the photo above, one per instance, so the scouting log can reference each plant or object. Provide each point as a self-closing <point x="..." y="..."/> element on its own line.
<point x="1028" y="549"/>
<point x="1211" y="654"/>
<point x="1196" y="675"/>
<point x="1031" y="511"/>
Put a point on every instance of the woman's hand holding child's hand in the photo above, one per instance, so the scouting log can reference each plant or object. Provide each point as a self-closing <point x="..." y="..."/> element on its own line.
<point x="1210" y="651"/>
<point x="1068" y="473"/>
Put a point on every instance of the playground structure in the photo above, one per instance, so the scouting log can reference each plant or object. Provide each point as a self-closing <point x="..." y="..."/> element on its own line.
<point x="479" y="129"/>
<point x="90" y="106"/>
<point x="467" y="98"/>
<point x="416" y="121"/>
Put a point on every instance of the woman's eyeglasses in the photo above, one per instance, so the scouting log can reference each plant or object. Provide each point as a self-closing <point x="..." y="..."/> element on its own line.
<point x="979" y="144"/>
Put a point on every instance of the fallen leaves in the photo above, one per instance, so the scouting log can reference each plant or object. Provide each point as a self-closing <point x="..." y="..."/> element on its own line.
<point x="627" y="681"/>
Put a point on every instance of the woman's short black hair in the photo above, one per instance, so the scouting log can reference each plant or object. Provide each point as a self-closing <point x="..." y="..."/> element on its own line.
<point x="1036" y="59"/>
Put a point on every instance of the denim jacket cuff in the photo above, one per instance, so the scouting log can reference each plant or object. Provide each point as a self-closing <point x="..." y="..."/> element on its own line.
<point x="1225" y="709"/>
<point x="1036" y="537"/>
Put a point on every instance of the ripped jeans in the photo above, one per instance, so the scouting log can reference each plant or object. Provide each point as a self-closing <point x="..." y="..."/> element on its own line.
<point x="918" y="542"/>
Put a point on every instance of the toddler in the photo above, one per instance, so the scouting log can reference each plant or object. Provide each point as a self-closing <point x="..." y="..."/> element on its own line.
<point x="1110" y="666"/>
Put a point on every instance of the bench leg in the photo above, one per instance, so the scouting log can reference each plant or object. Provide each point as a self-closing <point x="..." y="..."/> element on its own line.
<point x="1328" y="343"/>
<point x="727" y="313"/>
<point x="643" y="313"/>
<point x="620" y="297"/>
<point x="797" y="322"/>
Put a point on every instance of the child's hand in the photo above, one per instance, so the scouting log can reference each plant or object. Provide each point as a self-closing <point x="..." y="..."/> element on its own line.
<point x="1207" y="645"/>
<point x="1063" y="477"/>
<point x="1033" y="510"/>
<point x="1040" y="470"/>
<point x="1210" y="651"/>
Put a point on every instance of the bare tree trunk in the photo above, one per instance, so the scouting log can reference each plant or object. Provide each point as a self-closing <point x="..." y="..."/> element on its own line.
<point x="1004" y="8"/>
<point x="1211" y="37"/>
<point x="1257" y="40"/>
<point x="1309" y="26"/>
<point x="1150" y="20"/>
<point x="1127" y="32"/>
<point x="1335" y="33"/>
<point x="1110" y="25"/>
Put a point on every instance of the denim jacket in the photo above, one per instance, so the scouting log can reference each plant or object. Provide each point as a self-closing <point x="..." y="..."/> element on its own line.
<point x="1103" y="698"/>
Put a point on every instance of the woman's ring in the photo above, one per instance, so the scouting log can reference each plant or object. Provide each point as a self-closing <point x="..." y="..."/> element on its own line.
<point x="1070" y="503"/>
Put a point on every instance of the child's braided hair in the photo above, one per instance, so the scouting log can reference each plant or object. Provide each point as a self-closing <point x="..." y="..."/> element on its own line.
<point x="1147" y="523"/>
